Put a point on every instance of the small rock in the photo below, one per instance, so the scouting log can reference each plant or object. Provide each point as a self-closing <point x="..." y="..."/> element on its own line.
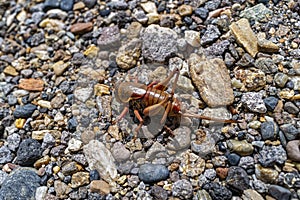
<point x="66" y="5"/>
<point x="81" y="28"/>
<point x="6" y="155"/>
<point x="182" y="189"/>
<point x="253" y="80"/>
<point x="211" y="34"/>
<point x="192" y="38"/>
<point x="253" y="101"/>
<point x="279" y="192"/>
<point x="89" y="3"/>
<point x="250" y="194"/>
<point x="245" y="36"/>
<point x="109" y="38"/>
<point x="94" y="175"/>
<point x="258" y="12"/>
<point x="290" y="131"/>
<point x="185" y="10"/>
<point x="203" y="71"/>
<point x="270" y="103"/>
<point x="267" y="46"/>
<point x="73" y="145"/>
<point x="100" y="186"/>
<point x="50" y="4"/>
<point x="159" y="193"/>
<point x="158" y="43"/>
<point x="267" y="175"/>
<point x="293" y="150"/>
<point x="20" y="184"/>
<point x="83" y="94"/>
<point x="222" y="172"/>
<point x="80" y="179"/>
<point x="9" y="70"/>
<point x="217" y="191"/>
<point x="291" y="108"/>
<point x="280" y="79"/>
<point x="61" y="189"/>
<point x="59" y="67"/>
<point x="29" y="151"/>
<point x="129" y="54"/>
<point x="24" y="111"/>
<point x="267" y="65"/>
<point x="13" y="141"/>
<point x="242" y="148"/>
<point x="269" y="130"/>
<point x="149" y="7"/>
<point x="181" y="139"/>
<point x="237" y="179"/>
<point x="150" y="173"/>
<point x="119" y="152"/>
<point x="270" y="155"/>
<point x="41" y="192"/>
<point x="201" y="12"/>
<point x="233" y="159"/>
<point x="31" y="84"/>
<point x="69" y="168"/>
<point x="205" y="146"/>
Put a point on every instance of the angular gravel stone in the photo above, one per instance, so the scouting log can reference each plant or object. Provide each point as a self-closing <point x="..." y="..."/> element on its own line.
<point x="204" y="72"/>
<point x="150" y="173"/>
<point x="281" y="79"/>
<point x="21" y="184"/>
<point x="253" y="101"/>
<point x="24" y="111"/>
<point x="245" y="36"/>
<point x="5" y="155"/>
<point x="279" y="192"/>
<point x="211" y="34"/>
<point x="66" y="5"/>
<point x="159" y="43"/>
<point x="29" y="151"/>
<point x="13" y="141"/>
<point x="109" y="38"/>
<point x="270" y="155"/>
<point x="290" y="131"/>
<point x="271" y="103"/>
<point x="269" y="130"/>
<point x="217" y="191"/>
<point x="182" y="189"/>
<point x="237" y="179"/>
<point x="159" y="193"/>
<point x="291" y="108"/>
<point x="119" y="152"/>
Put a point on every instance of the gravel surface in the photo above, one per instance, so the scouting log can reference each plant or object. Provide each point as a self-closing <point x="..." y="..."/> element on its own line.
<point x="68" y="68"/>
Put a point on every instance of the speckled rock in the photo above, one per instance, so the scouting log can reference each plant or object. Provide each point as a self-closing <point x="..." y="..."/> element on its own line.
<point x="109" y="38"/>
<point x="253" y="101"/>
<point x="281" y="79"/>
<point x="158" y="43"/>
<point x="290" y="131"/>
<point x="6" y="155"/>
<point x="29" y="151"/>
<point x="182" y="189"/>
<point x="251" y="194"/>
<point x="271" y="103"/>
<point x="211" y="34"/>
<point x="150" y="173"/>
<point x="258" y="12"/>
<point x="80" y="179"/>
<point x="267" y="175"/>
<point x="252" y="79"/>
<point x="21" y="184"/>
<point x="203" y="72"/>
<point x="237" y="179"/>
<point x="217" y="191"/>
<point x="270" y="155"/>
<point x="129" y="54"/>
<point x="245" y="36"/>
<point x="119" y="152"/>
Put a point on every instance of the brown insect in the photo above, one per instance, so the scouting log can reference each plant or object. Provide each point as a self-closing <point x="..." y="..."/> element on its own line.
<point x="153" y="100"/>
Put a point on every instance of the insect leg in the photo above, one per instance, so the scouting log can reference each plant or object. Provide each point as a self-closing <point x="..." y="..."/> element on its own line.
<point x="163" y="119"/>
<point x="123" y="113"/>
<point x="138" y="116"/>
<point x="163" y="84"/>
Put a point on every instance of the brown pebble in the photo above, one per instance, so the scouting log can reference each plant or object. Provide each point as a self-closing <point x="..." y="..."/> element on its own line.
<point x="100" y="186"/>
<point x="293" y="150"/>
<point x="81" y="28"/>
<point x="222" y="172"/>
<point x="31" y="84"/>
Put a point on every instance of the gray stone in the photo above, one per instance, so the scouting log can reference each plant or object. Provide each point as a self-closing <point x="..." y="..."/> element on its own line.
<point x="293" y="150"/>
<point x="211" y="34"/>
<point x="242" y="148"/>
<point x="29" y="151"/>
<point x="24" y="111"/>
<point x="271" y="103"/>
<point x="119" y="152"/>
<point x="109" y="39"/>
<point x="290" y="131"/>
<point x="237" y="179"/>
<point x="150" y="173"/>
<point x="3" y="176"/>
<point x="269" y="130"/>
<point x="246" y="162"/>
<point x="253" y="101"/>
<point x="280" y="79"/>
<point x="5" y="155"/>
<point x="13" y="141"/>
<point x="181" y="139"/>
<point x="21" y="184"/>
<point x="217" y="191"/>
<point x="291" y="108"/>
<point x="279" y="192"/>
<point x="258" y="12"/>
<point x="182" y="189"/>
<point x="270" y="155"/>
<point x="267" y="65"/>
<point x="204" y="72"/>
<point x="158" y="43"/>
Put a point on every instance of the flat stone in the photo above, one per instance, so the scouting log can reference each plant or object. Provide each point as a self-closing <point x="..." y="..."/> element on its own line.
<point x="44" y="104"/>
<point x="29" y="151"/>
<point x="120" y="153"/>
<point x="129" y="54"/>
<point x="242" y="148"/>
<point x="31" y="84"/>
<point x="100" y="186"/>
<point x="258" y="12"/>
<point x="10" y="70"/>
<point x="237" y="179"/>
<point x="293" y="150"/>
<point x="109" y="38"/>
<point x="81" y="28"/>
<point x="204" y="72"/>
<point x="24" y="111"/>
<point x="250" y="194"/>
<point x="253" y="101"/>
<point x="80" y="179"/>
<point x="267" y="46"/>
<point x="158" y="43"/>
<point x="245" y="36"/>
<point x="150" y="173"/>
<point x="185" y="10"/>
<point x="59" y="67"/>
<point x="149" y="7"/>
<point x="61" y="189"/>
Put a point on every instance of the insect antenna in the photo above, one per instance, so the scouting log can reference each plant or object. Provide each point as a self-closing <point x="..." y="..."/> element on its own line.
<point x="209" y="118"/>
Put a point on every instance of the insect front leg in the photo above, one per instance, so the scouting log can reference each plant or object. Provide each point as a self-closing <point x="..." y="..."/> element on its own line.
<point x="163" y="84"/>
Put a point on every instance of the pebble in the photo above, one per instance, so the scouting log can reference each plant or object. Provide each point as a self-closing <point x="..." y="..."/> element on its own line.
<point x="80" y="179"/>
<point x="158" y="43"/>
<point x="252" y="195"/>
<point x="267" y="65"/>
<point x="89" y="3"/>
<point x="291" y="108"/>
<point x="59" y="67"/>
<point x="13" y="141"/>
<point x="192" y="38"/>
<point x="201" y="12"/>
<point x="185" y="10"/>
<point x="9" y="70"/>
<point x="280" y="79"/>
<point x="270" y="103"/>
<point x="29" y="151"/>
<point x="20" y="184"/>
<point x="61" y="189"/>
<point x="150" y="173"/>
<point x="50" y="4"/>
<point x="258" y="12"/>
<point x="205" y="146"/>
<point x="245" y="36"/>
<point x="94" y="175"/>
<point x="237" y="179"/>
<point x="100" y="186"/>
<point x="217" y="191"/>
<point x="269" y="130"/>
<point x="24" y="111"/>
<point x="271" y="155"/>
<point x="253" y="101"/>
<point x="181" y="139"/>
<point x="6" y="155"/>
<point x="119" y="152"/>
<point x="41" y="192"/>
<point x="81" y="28"/>
<point x="242" y="148"/>
<point x="73" y="146"/>
<point x="279" y="192"/>
<point x="222" y="172"/>
<point x="31" y="84"/>
<point x="109" y="38"/>
<point x="293" y="150"/>
<point x="159" y="193"/>
<point x="290" y="131"/>
<point x="182" y="189"/>
<point x="267" y="175"/>
<point x="101" y="159"/>
<point x="66" y="5"/>
<point x="69" y="168"/>
<point x="211" y="34"/>
<point x="203" y="72"/>
<point x="233" y="159"/>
